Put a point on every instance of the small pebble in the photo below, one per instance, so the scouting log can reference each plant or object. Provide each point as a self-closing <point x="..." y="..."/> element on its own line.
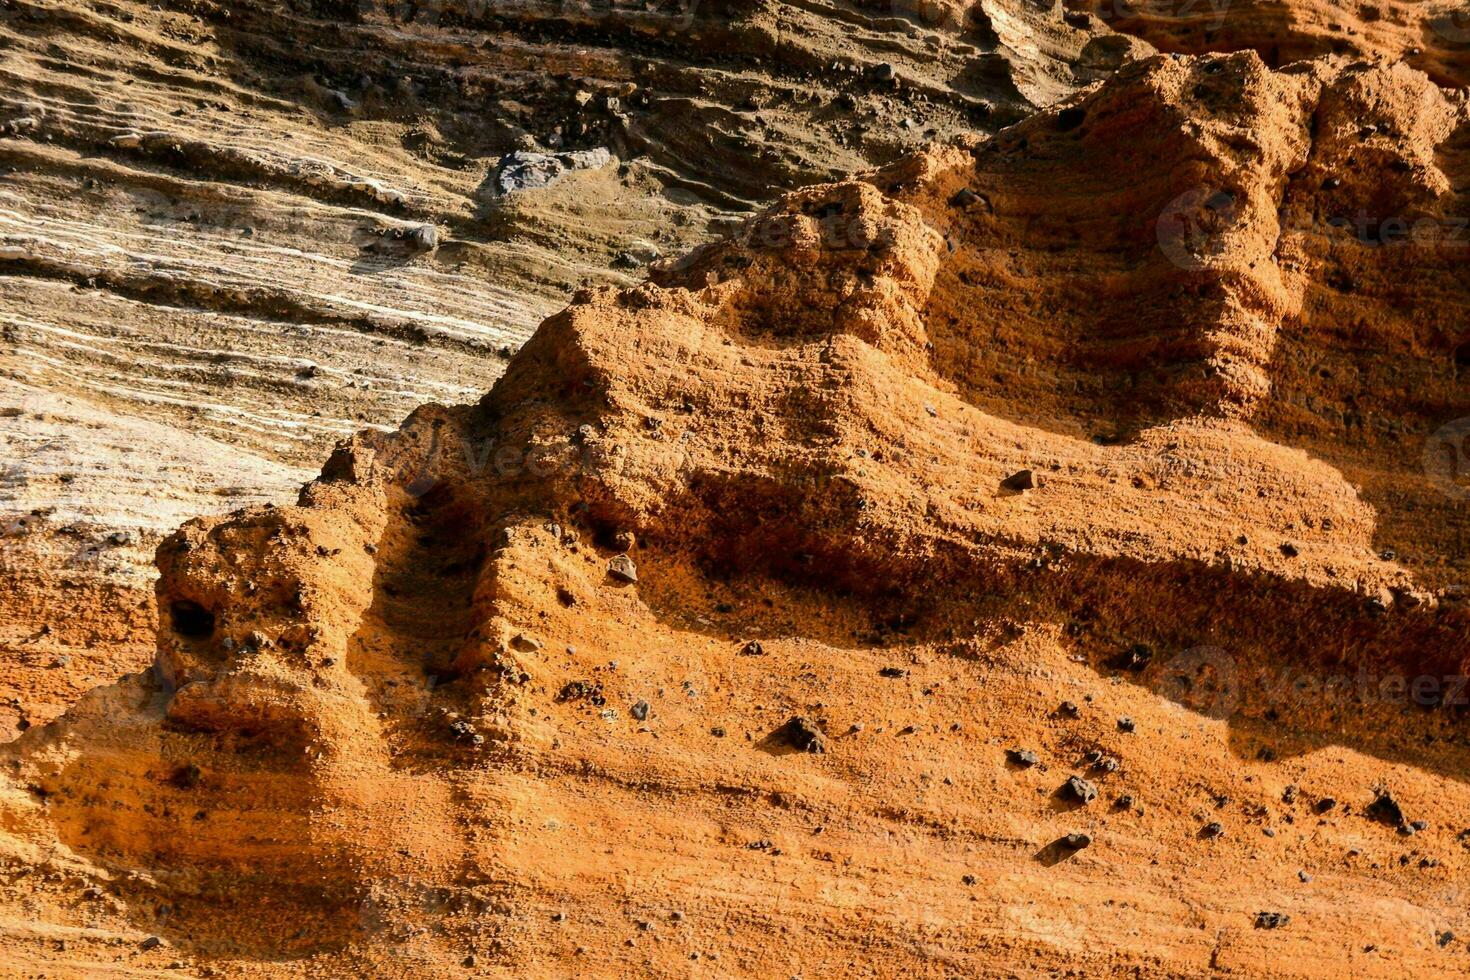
<point x="623" y="569"/>
<point x="1080" y="789"/>
<point x="1271" y="920"/>
<point x="1022" y="757"/>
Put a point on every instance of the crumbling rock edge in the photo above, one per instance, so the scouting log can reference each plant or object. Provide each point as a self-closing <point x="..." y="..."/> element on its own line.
<point x="828" y="408"/>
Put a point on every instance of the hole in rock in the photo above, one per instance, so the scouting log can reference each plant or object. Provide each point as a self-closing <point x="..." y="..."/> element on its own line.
<point x="191" y="619"/>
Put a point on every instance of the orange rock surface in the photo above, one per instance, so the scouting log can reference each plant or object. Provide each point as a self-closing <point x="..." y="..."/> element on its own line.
<point x="520" y="689"/>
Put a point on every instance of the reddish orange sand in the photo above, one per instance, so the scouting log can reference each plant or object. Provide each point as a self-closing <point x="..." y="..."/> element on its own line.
<point x="530" y="688"/>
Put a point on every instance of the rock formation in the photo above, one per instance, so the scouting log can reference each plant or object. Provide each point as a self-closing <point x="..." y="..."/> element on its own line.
<point x="701" y="643"/>
<point x="195" y="196"/>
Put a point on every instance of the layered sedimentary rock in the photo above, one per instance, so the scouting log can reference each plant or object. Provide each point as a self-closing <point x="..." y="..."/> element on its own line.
<point x="268" y="225"/>
<point x="1432" y="36"/>
<point x="755" y="620"/>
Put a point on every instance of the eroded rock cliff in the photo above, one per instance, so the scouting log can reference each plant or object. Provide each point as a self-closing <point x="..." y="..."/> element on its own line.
<point x="754" y="622"/>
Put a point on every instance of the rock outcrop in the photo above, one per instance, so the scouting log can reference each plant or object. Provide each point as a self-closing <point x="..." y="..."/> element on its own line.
<point x="513" y="688"/>
<point x="195" y="197"/>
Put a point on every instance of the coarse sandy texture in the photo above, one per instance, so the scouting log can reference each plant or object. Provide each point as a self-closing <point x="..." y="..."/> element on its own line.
<point x="1127" y="438"/>
<point x="208" y="269"/>
<point x="1430" y="35"/>
<point x="207" y="210"/>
